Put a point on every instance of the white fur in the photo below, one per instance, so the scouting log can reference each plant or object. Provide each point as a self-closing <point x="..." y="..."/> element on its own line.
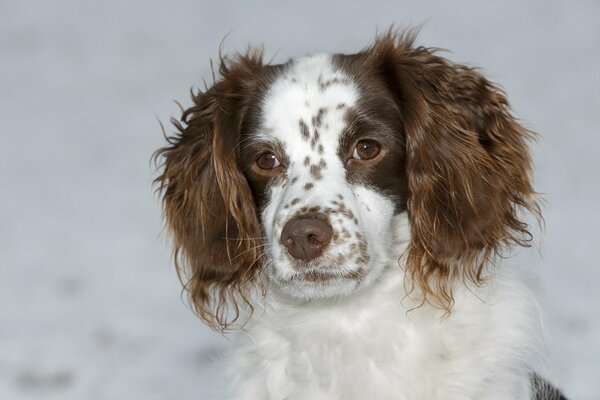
<point x="367" y="339"/>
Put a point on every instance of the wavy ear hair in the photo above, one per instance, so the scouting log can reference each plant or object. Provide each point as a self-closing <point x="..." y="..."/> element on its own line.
<point x="207" y="202"/>
<point x="468" y="166"/>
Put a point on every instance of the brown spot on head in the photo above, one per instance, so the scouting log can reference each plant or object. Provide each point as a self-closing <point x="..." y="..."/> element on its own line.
<point x="304" y="130"/>
<point x="306" y="161"/>
<point x="326" y="84"/>
<point x="309" y="186"/>
<point x="317" y="120"/>
<point x="316" y="171"/>
<point x="314" y="139"/>
<point x="295" y="201"/>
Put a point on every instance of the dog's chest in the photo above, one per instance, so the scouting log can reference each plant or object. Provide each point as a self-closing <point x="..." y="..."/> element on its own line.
<point x="372" y="347"/>
<point x="370" y="351"/>
<point x="341" y="364"/>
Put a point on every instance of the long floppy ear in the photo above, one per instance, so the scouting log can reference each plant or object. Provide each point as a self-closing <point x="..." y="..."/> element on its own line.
<point x="467" y="164"/>
<point x="207" y="202"/>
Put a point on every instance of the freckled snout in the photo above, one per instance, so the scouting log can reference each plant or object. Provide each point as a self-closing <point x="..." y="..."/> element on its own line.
<point x="306" y="237"/>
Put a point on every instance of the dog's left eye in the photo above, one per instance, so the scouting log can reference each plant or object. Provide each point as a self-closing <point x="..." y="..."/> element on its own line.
<point x="268" y="161"/>
<point x="366" y="149"/>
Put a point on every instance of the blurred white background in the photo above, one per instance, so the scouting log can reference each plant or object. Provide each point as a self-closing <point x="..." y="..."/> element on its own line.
<point x="90" y="306"/>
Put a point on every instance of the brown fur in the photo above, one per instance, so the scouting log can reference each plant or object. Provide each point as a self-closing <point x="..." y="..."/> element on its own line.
<point x="208" y="204"/>
<point x="467" y="164"/>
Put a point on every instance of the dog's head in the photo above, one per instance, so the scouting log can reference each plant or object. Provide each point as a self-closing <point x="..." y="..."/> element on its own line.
<point x="295" y="172"/>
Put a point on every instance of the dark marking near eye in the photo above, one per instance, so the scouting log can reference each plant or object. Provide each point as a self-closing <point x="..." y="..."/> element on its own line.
<point x="314" y="209"/>
<point x="306" y="161"/>
<point x="294" y="180"/>
<point x="280" y="179"/>
<point x="308" y="186"/>
<point x="340" y="106"/>
<point x="295" y="201"/>
<point x="304" y="130"/>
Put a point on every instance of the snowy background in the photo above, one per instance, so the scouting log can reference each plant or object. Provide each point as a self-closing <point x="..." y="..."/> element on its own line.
<point x="90" y="306"/>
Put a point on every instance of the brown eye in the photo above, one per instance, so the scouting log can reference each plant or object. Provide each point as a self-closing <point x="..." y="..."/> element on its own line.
<point x="366" y="149"/>
<point x="268" y="161"/>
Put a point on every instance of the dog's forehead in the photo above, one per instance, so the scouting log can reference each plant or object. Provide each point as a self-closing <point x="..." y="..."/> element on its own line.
<point x="306" y="106"/>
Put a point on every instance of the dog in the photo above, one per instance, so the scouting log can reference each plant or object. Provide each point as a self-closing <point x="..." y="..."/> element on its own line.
<point x="346" y="212"/>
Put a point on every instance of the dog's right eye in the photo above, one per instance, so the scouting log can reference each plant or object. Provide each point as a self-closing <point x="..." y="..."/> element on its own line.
<point x="267" y="161"/>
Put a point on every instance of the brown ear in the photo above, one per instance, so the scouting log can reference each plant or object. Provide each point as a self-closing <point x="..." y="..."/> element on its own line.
<point x="208" y="205"/>
<point x="468" y="167"/>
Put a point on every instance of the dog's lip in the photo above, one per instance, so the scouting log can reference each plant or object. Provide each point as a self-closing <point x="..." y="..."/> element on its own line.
<point x="315" y="275"/>
<point x="318" y="276"/>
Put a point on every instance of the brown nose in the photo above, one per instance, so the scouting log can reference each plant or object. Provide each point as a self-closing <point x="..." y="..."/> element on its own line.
<point x="306" y="237"/>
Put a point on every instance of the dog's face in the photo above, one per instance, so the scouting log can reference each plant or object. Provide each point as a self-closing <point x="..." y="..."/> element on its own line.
<point x="296" y="171"/>
<point x="326" y="172"/>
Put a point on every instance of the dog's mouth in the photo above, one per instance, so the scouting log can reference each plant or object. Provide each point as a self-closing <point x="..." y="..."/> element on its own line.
<point x="325" y="275"/>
